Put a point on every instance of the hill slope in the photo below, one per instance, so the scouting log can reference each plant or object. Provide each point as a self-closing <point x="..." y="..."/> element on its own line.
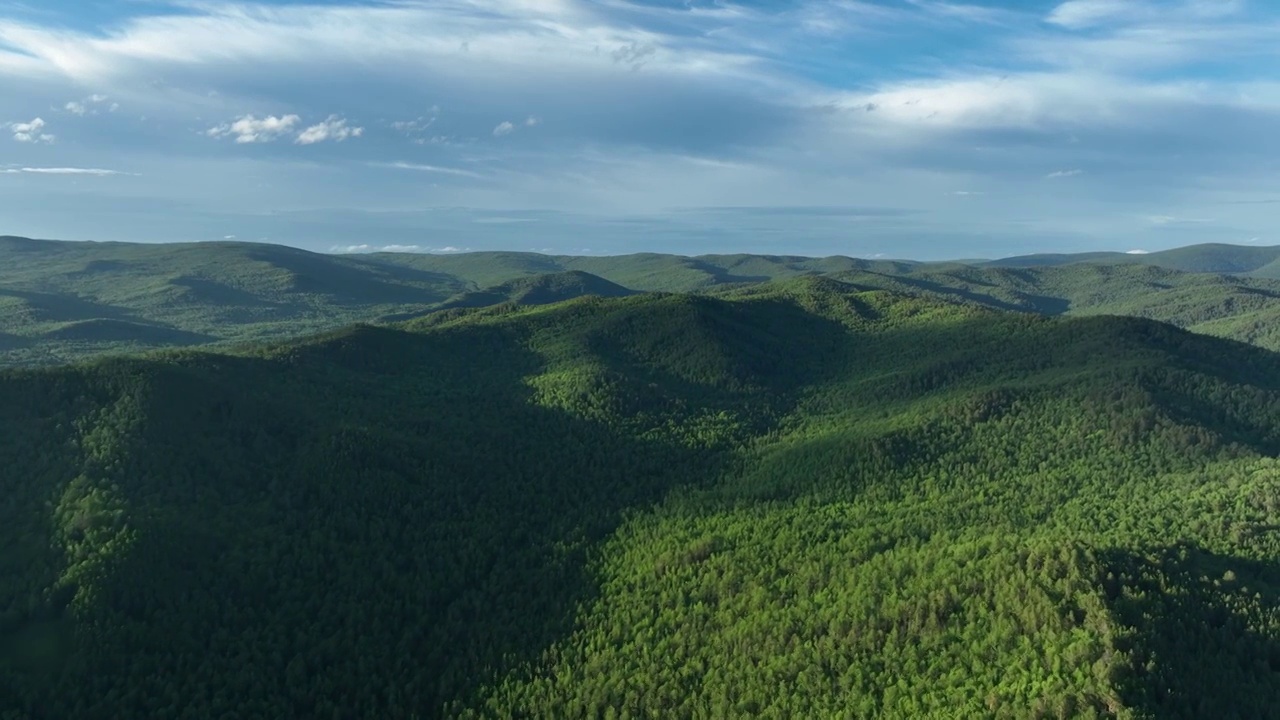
<point x="151" y="296"/>
<point x="1239" y="308"/>
<point x="1205" y="258"/>
<point x="539" y="290"/>
<point x="202" y="292"/>
<point x="796" y="500"/>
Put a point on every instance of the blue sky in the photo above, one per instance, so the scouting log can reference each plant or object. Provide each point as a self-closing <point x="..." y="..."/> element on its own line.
<point x="899" y="128"/>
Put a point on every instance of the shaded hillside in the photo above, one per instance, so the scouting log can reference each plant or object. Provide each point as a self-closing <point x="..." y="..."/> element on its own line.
<point x="646" y="272"/>
<point x="539" y="290"/>
<point x="217" y="291"/>
<point x="123" y="331"/>
<point x="1206" y="258"/>
<point x="1238" y="308"/>
<point x="797" y="500"/>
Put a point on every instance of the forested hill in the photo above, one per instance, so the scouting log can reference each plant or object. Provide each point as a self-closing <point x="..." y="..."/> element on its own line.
<point x="64" y="301"/>
<point x="1257" y="261"/>
<point x="802" y="499"/>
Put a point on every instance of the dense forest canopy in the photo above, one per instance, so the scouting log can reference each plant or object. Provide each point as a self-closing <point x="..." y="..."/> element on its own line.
<point x="823" y="496"/>
<point x="62" y="301"/>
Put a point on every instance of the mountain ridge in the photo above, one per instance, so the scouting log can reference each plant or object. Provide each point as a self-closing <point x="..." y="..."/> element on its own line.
<point x="235" y="292"/>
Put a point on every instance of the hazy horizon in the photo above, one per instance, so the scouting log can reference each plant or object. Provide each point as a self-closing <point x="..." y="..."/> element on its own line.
<point x="919" y="129"/>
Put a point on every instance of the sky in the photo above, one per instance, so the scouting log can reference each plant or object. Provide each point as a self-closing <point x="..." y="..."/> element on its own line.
<point x="921" y="129"/>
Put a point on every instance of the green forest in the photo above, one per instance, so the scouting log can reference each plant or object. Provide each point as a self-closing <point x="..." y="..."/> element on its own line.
<point x="814" y="496"/>
<point x="67" y="301"/>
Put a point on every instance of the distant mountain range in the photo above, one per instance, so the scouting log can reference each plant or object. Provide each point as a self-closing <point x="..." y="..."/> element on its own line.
<point x="67" y="300"/>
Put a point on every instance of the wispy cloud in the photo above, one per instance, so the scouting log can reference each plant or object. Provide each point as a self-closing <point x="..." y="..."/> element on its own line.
<point x="1056" y="174"/>
<point x="504" y="128"/>
<point x="420" y="167"/>
<point x="367" y="248"/>
<point x="417" y="128"/>
<point x="1077" y="14"/>
<point x="98" y="172"/>
<point x="251" y="129"/>
<point x="333" y="128"/>
<point x="1174" y="220"/>
<point x="1083" y="14"/>
<point x="91" y="105"/>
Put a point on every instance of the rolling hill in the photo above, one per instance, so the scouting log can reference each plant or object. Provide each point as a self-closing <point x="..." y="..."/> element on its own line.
<point x="1250" y="260"/>
<point x="539" y="290"/>
<point x="64" y="301"/>
<point x="797" y="499"/>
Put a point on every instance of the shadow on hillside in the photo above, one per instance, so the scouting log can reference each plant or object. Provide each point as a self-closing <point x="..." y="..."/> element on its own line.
<point x="1197" y="632"/>
<point x="697" y="343"/>
<point x="357" y="282"/>
<point x="13" y="342"/>
<point x="196" y="290"/>
<point x="50" y="307"/>
<point x="104" y="331"/>
<point x="722" y="276"/>
<point x="1043" y="304"/>
<point x="380" y="522"/>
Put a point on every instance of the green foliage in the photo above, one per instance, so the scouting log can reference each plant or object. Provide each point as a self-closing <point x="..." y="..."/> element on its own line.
<point x="800" y="499"/>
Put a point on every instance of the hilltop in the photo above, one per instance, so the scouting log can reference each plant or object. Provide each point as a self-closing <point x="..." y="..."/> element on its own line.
<point x="795" y="499"/>
<point x="1255" y="261"/>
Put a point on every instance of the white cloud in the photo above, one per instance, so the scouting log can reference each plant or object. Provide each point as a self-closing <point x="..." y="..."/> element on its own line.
<point x="1078" y="14"/>
<point x="367" y="248"/>
<point x="415" y="128"/>
<point x="31" y="132"/>
<point x="727" y="84"/>
<point x="1083" y="14"/>
<point x="250" y="129"/>
<point x="506" y="127"/>
<point x="419" y="167"/>
<point x="334" y="128"/>
<point x="1173" y="220"/>
<point x="98" y="172"/>
<point x="563" y="35"/>
<point x="1137" y="252"/>
<point x="90" y="105"/>
<point x="1063" y="174"/>
<point x="1030" y="100"/>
